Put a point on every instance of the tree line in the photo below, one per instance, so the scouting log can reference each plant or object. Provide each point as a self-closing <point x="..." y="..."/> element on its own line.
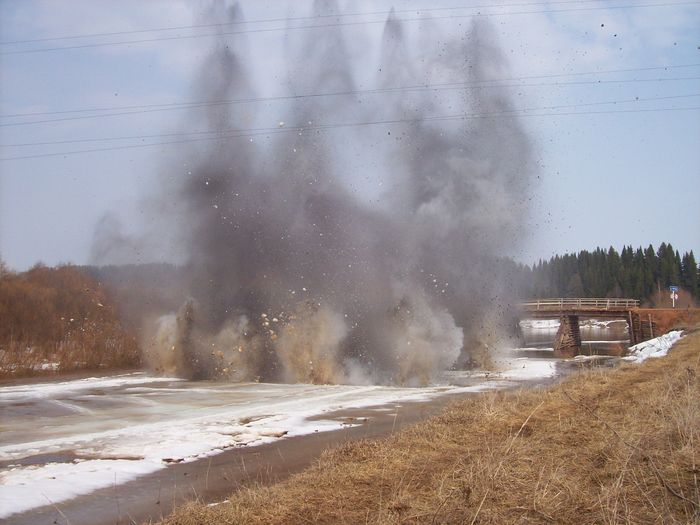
<point x="59" y="319"/>
<point x="75" y="317"/>
<point x="634" y="273"/>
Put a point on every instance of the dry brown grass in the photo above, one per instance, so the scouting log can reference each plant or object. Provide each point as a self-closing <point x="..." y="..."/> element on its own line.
<point x="603" y="447"/>
<point x="666" y="319"/>
<point x="93" y="348"/>
<point x="55" y="320"/>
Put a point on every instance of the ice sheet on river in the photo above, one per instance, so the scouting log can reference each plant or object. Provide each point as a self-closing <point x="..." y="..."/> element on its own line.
<point x="64" y="439"/>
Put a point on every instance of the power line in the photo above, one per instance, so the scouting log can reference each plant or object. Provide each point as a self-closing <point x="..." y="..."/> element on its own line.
<point x="323" y="127"/>
<point x="154" y="108"/>
<point x="163" y="135"/>
<point x="360" y="91"/>
<point x="290" y="19"/>
<point x="372" y="91"/>
<point x="297" y="128"/>
<point x="339" y="24"/>
<point x="402" y="121"/>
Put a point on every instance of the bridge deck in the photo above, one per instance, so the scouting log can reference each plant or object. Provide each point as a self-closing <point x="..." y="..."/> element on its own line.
<point x="580" y="312"/>
<point x="584" y="307"/>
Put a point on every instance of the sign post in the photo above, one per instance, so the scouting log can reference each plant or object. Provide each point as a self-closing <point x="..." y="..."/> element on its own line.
<point x="674" y="294"/>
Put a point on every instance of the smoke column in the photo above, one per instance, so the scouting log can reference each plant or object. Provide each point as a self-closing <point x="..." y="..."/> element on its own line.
<point x="295" y="274"/>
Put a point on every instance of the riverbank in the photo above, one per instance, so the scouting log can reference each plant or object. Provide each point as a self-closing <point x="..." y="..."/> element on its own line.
<point x="604" y="446"/>
<point x="153" y="496"/>
<point x="133" y="445"/>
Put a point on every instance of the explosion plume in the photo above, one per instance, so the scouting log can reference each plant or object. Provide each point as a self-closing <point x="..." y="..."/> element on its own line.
<point x="360" y="240"/>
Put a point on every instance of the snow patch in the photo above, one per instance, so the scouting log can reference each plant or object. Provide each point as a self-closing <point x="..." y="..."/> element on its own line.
<point x="657" y="347"/>
<point x="540" y="324"/>
<point x="515" y="369"/>
<point x="524" y="368"/>
<point x="551" y="324"/>
<point x="24" y="488"/>
<point x="599" y="323"/>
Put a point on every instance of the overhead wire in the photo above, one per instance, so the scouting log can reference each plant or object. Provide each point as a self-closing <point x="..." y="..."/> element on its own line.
<point x="163" y="135"/>
<point x="228" y="134"/>
<point x="276" y="131"/>
<point x="153" y="108"/>
<point x="291" y="19"/>
<point x="339" y="24"/>
<point x="476" y="84"/>
<point x="444" y="86"/>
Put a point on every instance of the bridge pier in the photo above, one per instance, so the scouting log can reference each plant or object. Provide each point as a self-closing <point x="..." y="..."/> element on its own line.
<point x="568" y="309"/>
<point x="642" y="327"/>
<point x="633" y="329"/>
<point x="567" y="342"/>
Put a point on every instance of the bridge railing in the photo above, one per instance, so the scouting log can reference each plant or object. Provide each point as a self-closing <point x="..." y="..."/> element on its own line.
<point x="566" y="303"/>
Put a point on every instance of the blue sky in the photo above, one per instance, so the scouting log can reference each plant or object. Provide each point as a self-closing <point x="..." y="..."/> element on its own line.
<point x="631" y="177"/>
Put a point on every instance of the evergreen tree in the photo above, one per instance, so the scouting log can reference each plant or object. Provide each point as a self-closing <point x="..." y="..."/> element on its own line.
<point x="637" y="274"/>
<point x="612" y="280"/>
<point x="689" y="273"/>
<point x="676" y="270"/>
<point x="575" y="286"/>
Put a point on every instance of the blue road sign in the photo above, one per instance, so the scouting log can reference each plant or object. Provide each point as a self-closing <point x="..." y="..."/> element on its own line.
<point x="673" y="288"/>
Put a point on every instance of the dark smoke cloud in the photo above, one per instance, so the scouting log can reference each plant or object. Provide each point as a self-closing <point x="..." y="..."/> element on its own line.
<point x="295" y="274"/>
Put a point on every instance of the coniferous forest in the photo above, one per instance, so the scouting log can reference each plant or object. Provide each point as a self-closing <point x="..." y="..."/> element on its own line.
<point x="633" y="273"/>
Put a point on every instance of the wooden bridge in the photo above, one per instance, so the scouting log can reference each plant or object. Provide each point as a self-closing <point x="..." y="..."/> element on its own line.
<point x="568" y="310"/>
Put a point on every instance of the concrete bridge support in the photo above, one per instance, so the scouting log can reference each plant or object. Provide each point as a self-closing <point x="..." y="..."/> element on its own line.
<point x="567" y="342"/>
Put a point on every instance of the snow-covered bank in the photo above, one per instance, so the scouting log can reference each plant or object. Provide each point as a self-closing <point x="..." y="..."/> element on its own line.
<point x="64" y="439"/>
<point x="657" y="347"/>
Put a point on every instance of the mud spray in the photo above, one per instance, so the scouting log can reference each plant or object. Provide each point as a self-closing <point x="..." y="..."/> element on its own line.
<point x="298" y="272"/>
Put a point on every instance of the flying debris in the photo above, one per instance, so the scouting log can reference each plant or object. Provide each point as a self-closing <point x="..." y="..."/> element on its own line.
<point x="313" y="276"/>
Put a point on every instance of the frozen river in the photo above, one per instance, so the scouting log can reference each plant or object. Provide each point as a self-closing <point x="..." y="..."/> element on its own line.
<point x="61" y="439"/>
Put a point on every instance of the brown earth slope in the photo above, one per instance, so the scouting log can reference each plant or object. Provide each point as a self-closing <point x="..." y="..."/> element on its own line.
<point x="606" y="446"/>
<point x="666" y="319"/>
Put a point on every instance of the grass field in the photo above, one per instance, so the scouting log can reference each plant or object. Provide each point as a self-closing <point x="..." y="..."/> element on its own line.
<point x="605" y="446"/>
